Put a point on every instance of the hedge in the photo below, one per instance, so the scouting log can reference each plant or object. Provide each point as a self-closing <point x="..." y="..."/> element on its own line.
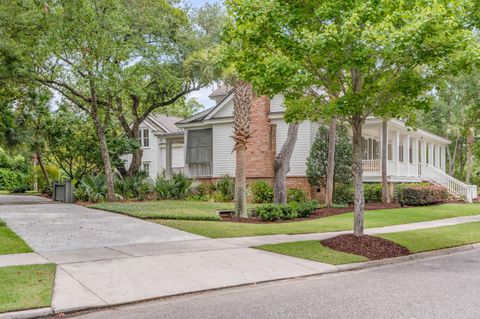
<point x="343" y="194"/>
<point x="273" y="212"/>
<point x="422" y="195"/>
<point x="13" y="181"/>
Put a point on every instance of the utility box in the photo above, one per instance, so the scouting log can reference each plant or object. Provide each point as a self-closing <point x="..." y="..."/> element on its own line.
<point x="63" y="192"/>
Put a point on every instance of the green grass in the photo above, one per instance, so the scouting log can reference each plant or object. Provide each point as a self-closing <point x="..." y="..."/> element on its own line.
<point x="10" y="243"/>
<point x="168" y="209"/>
<point x="378" y="218"/>
<point x="313" y="250"/>
<point x="26" y="287"/>
<point x="437" y="238"/>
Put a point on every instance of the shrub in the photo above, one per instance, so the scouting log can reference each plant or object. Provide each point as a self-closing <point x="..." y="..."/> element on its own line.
<point x="399" y="186"/>
<point x="12" y="180"/>
<point x="262" y="192"/>
<point x="176" y="187"/>
<point x="137" y="186"/>
<point x="422" y="195"/>
<point x="273" y="212"/>
<point x="91" y="189"/>
<point x="224" y="189"/>
<point x="296" y="195"/>
<point x="373" y="193"/>
<point x="343" y="194"/>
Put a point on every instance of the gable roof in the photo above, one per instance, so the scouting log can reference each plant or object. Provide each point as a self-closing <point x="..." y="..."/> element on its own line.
<point x="164" y="123"/>
<point x="206" y="114"/>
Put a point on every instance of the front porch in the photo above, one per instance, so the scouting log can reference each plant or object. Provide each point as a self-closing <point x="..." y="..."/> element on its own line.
<point x="409" y="152"/>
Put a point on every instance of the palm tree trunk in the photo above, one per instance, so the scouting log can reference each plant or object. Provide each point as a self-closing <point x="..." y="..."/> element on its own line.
<point x="242" y="104"/>
<point x="331" y="163"/>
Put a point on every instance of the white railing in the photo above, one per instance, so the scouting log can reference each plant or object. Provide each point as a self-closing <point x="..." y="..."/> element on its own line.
<point x="454" y="186"/>
<point x="371" y="167"/>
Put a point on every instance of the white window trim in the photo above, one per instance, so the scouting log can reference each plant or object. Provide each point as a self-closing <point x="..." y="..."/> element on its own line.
<point x="141" y="138"/>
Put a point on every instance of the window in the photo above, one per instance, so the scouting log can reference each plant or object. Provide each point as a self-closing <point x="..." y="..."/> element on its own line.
<point x="390" y="151"/>
<point x="428" y="154"/>
<point x="434" y="156"/>
<point x="371" y="149"/>
<point x="144" y="138"/>
<point x="146" y="167"/>
<point x="400" y="153"/>
<point x="199" y="152"/>
<point x="410" y="154"/>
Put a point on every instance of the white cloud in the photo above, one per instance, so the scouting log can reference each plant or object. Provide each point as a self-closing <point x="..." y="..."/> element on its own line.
<point x="202" y="97"/>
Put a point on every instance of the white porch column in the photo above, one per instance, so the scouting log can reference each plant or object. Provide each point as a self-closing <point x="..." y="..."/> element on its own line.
<point x="397" y="151"/>
<point x="424" y="152"/>
<point x="430" y="154"/>
<point x="406" y="152"/>
<point x="415" y="155"/>
<point x="437" y="154"/>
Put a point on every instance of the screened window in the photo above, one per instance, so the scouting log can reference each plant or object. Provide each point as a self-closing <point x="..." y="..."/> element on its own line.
<point x="400" y="153"/>
<point x="410" y="154"/>
<point x="199" y="152"/>
<point x="371" y="149"/>
<point x="390" y="152"/>
<point x="144" y="138"/>
<point x="146" y="167"/>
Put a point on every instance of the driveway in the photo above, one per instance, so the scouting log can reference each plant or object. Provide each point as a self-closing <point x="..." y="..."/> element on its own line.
<point x="66" y="226"/>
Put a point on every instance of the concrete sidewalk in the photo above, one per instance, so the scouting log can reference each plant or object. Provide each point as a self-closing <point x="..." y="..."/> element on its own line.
<point x="114" y="275"/>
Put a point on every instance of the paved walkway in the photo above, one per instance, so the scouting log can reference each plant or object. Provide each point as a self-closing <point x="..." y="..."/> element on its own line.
<point x="67" y="226"/>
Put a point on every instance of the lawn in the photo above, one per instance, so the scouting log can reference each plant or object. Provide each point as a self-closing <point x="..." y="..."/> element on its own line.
<point x="10" y="243"/>
<point x="437" y="238"/>
<point x="26" y="287"/>
<point x="313" y="250"/>
<point x="168" y="209"/>
<point x="377" y="218"/>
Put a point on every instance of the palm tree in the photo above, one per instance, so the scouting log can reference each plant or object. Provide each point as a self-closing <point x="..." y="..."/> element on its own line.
<point x="242" y="105"/>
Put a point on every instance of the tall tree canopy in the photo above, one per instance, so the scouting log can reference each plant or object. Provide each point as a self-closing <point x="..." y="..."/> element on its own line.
<point x="116" y="60"/>
<point x="348" y="59"/>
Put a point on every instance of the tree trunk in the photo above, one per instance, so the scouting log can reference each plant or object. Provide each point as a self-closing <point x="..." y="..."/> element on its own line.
<point x="241" y="182"/>
<point x="242" y="104"/>
<point x="136" y="162"/>
<point x="452" y="158"/>
<point x="385" y="197"/>
<point x="38" y="155"/>
<point x="281" y="165"/>
<point x="107" y="165"/>
<point x="469" y="165"/>
<point x="357" y="171"/>
<point x="331" y="163"/>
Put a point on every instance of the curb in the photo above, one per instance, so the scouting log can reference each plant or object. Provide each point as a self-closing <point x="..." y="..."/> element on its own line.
<point x="26" y="314"/>
<point x="47" y="312"/>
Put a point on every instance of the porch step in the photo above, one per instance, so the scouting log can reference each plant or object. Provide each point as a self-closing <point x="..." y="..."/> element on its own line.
<point x="466" y="192"/>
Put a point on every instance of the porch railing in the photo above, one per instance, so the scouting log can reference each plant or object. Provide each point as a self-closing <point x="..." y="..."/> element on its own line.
<point x="453" y="185"/>
<point x="371" y="167"/>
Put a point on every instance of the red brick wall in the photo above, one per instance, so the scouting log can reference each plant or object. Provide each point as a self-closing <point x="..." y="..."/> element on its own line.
<point x="260" y="148"/>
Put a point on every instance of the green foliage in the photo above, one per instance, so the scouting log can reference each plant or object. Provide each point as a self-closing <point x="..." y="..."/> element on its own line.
<point x="422" y="195"/>
<point x="343" y="194"/>
<point x="137" y="186"/>
<point x="224" y="189"/>
<point x="92" y="188"/>
<point x="274" y="212"/>
<point x="262" y="192"/>
<point x="176" y="187"/>
<point x="318" y="157"/>
<point x="372" y="192"/>
<point x="296" y="195"/>
<point x="13" y="181"/>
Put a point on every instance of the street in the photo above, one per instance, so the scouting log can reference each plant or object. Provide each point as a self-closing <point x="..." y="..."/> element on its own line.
<point x="440" y="287"/>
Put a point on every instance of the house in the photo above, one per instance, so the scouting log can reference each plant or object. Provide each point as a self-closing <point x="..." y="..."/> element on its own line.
<point x="162" y="144"/>
<point x="413" y="155"/>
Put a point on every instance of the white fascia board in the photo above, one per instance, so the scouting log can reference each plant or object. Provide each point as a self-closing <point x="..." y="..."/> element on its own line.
<point x="219" y="106"/>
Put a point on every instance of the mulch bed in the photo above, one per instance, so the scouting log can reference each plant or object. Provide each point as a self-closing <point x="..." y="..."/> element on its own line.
<point x="319" y="213"/>
<point x="374" y="248"/>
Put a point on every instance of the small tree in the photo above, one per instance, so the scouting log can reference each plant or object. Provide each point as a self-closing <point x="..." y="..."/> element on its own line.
<point x="348" y="59"/>
<point x="317" y="161"/>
